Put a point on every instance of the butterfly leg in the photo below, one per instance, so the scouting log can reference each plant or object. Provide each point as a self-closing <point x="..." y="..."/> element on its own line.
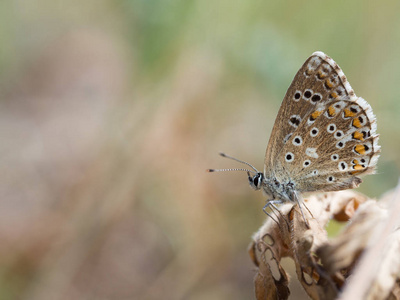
<point x="271" y="204"/>
<point x="266" y="206"/>
<point x="296" y="197"/>
<point x="308" y="209"/>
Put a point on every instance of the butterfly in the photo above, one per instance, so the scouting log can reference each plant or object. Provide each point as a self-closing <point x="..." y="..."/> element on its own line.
<point x="323" y="139"/>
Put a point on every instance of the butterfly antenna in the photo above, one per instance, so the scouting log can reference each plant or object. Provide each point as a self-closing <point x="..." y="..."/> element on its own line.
<point x="238" y="160"/>
<point x="224" y="170"/>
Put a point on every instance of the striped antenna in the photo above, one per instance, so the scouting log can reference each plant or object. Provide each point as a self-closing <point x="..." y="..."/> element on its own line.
<point x="237" y="169"/>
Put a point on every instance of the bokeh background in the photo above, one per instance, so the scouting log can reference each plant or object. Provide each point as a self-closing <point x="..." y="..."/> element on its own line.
<point x="112" y="110"/>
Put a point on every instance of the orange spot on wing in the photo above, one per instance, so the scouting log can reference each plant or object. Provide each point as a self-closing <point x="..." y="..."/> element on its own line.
<point x="334" y="95"/>
<point x="358" y="167"/>
<point x="357" y="123"/>
<point x="360" y="149"/>
<point x="348" y="113"/>
<point x="316" y="114"/>
<point x="358" y="135"/>
<point x="331" y="111"/>
<point x="321" y="75"/>
<point x="328" y="83"/>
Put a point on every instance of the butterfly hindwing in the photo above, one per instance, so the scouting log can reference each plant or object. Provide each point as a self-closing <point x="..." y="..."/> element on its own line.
<point x="339" y="145"/>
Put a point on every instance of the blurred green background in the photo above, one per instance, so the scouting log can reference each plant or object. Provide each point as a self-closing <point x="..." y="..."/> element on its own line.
<point x="112" y="110"/>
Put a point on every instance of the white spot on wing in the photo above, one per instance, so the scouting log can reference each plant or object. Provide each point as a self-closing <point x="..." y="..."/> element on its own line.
<point x="312" y="152"/>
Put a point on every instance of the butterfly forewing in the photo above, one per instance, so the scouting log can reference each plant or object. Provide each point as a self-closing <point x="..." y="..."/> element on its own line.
<point x="316" y="82"/>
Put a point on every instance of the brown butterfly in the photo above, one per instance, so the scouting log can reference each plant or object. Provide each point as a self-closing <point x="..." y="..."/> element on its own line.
<point x="324" y="137"/>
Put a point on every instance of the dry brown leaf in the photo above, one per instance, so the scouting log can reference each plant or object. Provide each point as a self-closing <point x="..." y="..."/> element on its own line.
<point x="322" y="266"/>
<point x="265" y="280"/>
<point x="342" y="251"/>
<point x="377" y="273"/>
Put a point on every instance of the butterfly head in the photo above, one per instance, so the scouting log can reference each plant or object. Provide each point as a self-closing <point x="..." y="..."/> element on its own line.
<point x="256" y="181"/>
<point x="271" y="186"/>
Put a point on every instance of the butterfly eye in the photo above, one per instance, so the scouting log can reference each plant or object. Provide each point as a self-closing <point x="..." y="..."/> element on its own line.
<point x="256" y="181"/>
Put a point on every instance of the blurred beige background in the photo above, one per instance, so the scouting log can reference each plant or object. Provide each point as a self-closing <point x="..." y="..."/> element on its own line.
<point x="112" y="110"/>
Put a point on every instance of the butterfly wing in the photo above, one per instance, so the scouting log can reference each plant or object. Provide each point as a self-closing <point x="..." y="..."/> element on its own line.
<point x="324" y="135"/>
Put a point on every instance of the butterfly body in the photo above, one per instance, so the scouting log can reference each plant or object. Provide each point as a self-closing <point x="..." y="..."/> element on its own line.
<point x="274" y="188"/>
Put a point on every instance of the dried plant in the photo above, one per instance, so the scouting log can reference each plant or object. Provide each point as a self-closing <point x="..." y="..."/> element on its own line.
<point x="362" y="262"/>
